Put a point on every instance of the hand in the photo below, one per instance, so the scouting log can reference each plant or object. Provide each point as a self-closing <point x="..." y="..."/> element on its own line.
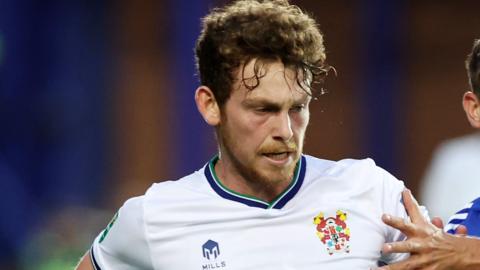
<point x="437" y="221"/>
<point x="429" y="246"/>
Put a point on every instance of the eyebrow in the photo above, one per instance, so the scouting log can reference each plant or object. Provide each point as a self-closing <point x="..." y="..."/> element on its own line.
<point x="268" y="103"/>
<point x="260" y="102"/>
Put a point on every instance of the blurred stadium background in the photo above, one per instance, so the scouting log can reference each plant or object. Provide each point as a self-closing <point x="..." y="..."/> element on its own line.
<point x="96" y="103"/>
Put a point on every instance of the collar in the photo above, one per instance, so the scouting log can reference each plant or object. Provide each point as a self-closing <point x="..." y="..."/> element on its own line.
<point x="277" y="203"/>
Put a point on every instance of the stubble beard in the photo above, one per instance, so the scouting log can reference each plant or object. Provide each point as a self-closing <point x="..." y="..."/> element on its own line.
<point x="249" y="170"/>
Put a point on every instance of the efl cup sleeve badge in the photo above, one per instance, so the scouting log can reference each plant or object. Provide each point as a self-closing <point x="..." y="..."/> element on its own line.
<point x="333" y="232"/>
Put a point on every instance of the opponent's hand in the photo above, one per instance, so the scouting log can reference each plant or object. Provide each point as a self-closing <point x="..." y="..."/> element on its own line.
<point x="429" y="246"/>
<point x="460" y="230"/>
<point x="437" y="221"/>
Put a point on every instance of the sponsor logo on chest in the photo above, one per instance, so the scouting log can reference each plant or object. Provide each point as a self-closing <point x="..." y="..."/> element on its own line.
<point x="211" y="252"/>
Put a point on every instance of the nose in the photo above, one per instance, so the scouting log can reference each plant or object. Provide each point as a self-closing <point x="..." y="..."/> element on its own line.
<point x="283" y="127"/>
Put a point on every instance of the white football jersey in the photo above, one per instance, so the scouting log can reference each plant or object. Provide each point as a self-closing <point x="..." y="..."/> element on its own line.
<point x="328" y="218"/>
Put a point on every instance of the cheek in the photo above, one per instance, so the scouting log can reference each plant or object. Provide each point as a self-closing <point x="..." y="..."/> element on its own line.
<point x="244" y="130"/>
<point x="300" y="122"/>
<point x="253" y="126"/>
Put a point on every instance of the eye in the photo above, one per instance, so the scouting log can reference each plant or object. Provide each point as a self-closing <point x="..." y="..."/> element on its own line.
<point x="298" y="108"/>
<point x="266" y="109"/>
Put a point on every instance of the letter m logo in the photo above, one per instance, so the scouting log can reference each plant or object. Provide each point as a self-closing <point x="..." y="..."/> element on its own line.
<point x="210" y="250"/>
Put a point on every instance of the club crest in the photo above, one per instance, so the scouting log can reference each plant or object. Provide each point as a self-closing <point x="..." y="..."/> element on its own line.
<point x="333" y="232"/>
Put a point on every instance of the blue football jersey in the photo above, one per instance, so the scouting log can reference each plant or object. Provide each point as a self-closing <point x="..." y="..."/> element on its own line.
<point x="469" y="216"/>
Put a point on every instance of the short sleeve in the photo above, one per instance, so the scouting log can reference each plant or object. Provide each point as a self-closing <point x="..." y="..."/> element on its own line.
<point x="393" y="205"/>
<point x="123" y="244"/>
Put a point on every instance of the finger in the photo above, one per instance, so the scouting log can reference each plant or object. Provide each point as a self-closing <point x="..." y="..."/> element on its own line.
<point x="461" y="230"/>
<point x="405" y="227"/>
<point x="437" y="221"/>
<point x="411" y="205"/>
<point x="408" y="246"/>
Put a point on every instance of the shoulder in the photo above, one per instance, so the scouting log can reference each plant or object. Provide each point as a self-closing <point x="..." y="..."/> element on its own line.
<point x="194" y="182"/>
<point x="453" y="161"/>
<point x="133" y="216"/>
<point x="343" y="167"/>
<point x="126" y="229"/>
<point x="168" y="196"/>
<point x="129" y="218"/>
<point x="354" y="173"/>
<point x="461" y="146"/>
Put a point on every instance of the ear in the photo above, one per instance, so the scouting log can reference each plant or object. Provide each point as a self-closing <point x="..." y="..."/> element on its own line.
<point x="207" y="105"/>
<point x="471" y="106"/>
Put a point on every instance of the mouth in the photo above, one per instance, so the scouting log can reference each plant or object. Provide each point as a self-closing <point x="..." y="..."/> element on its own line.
<point x="279" y="158"/>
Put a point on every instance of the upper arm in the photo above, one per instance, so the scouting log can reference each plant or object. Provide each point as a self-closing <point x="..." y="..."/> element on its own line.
<point x="393" y="205"/>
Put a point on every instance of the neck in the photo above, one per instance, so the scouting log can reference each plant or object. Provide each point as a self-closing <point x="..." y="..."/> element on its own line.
<point x="231" y="178"/>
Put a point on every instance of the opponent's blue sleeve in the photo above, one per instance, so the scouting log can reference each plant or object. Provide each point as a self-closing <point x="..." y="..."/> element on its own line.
<point x="469" y="216"/>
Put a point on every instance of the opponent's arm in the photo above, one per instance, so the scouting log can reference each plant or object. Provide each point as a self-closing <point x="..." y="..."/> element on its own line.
<point x="430" y="247"/>
<point x="85" y="263"/>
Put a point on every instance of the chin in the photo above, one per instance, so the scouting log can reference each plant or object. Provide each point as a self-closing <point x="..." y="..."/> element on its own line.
<point x="277" y="175"/>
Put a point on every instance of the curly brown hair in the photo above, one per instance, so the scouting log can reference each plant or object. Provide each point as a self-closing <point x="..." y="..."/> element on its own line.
<point x="473" y="67"/>
<point x="248" y="30"/>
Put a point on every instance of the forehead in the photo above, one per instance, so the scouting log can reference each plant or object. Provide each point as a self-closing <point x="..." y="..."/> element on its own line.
<point x="269" y="80"/>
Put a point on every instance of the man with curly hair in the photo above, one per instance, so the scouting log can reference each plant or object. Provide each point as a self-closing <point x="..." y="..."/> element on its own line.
<point x="260" y="203"/>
